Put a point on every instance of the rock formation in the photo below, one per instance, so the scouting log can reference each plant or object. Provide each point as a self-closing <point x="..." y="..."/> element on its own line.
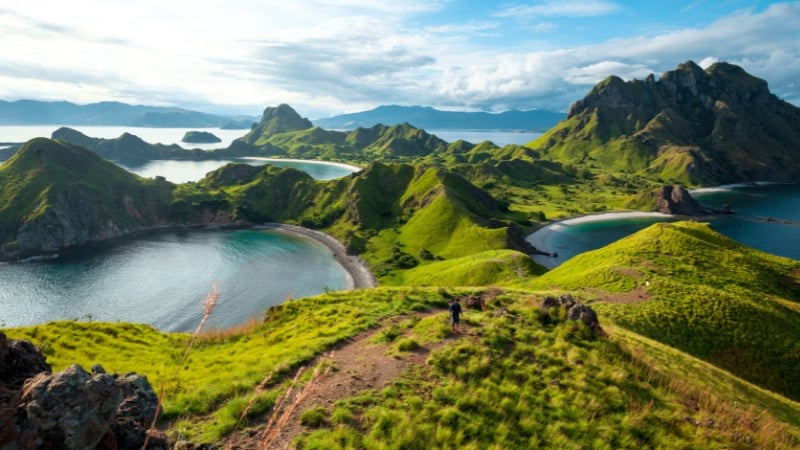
<point x="573" y="311"/>
<point x="71" y="409"/>
<point x="698" y="127"/>
<point x="676" y="200"/>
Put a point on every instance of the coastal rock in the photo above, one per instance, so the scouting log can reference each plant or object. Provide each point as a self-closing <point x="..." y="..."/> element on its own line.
<point x="676" y="200"/>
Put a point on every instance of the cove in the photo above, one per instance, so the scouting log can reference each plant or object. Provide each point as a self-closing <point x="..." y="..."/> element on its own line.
<point x="754" y="206"/>
<point x="162" y="278"/>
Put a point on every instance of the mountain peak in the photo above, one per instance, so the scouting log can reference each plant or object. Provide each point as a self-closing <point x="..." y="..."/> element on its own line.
<point x="279" y="119"/>
<point x="691" y="126"/>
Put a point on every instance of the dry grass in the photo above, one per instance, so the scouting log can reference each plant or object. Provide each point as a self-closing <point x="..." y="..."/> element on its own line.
<point x="286" y="406"/>
<point x="209" y="304"/>
<point x="215" y="335"/>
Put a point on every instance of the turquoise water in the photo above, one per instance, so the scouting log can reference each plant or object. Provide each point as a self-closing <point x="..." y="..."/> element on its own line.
<point x="162" y="279"/>
<point x="753" y="205"/>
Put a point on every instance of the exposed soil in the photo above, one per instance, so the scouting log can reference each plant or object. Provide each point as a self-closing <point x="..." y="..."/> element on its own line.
<point x="351" y="367"/>
<point x="637" y="295"/>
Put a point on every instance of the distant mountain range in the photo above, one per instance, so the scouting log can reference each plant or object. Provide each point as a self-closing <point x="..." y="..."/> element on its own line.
<point x="33" y="112"/>
<point x="434" y="119"/>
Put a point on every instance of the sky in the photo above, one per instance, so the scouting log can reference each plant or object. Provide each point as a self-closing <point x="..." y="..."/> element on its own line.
<point x="328" y="57"/>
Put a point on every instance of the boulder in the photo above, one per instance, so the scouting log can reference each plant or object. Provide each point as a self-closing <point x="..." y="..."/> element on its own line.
<point x="71" y="409"/>
<point x="563" y="301"/>
<point x="19" y="360"/>
<point x="586" y="315"/>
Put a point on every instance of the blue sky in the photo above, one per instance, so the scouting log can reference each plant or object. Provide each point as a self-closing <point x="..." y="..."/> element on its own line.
<point x="327" y="57"/>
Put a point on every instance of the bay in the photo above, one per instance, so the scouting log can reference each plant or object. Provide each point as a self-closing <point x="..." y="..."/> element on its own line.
<point x="162" y="279"/>
<point x="754" y="206"/>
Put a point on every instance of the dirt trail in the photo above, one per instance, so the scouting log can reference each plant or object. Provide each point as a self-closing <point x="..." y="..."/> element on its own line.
<point x="354" y="366"/>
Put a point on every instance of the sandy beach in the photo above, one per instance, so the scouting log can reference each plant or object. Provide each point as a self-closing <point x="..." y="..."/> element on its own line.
<point x="310" y="161"/>
<point x="360" y="276"/>
<point x="539" y="237"/>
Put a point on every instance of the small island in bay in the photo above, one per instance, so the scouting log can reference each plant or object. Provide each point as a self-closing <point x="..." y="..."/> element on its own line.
<point x="200" y="137"/>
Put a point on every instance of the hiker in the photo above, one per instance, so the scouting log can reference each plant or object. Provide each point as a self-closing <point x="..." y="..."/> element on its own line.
<point x="455" y="314"/>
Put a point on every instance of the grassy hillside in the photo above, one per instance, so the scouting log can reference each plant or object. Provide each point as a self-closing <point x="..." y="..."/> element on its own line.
<point x="514" y="378"/>
<point x="488" y="268"/>
<point x="689" y="287"/>
<point x="54" y="194"/>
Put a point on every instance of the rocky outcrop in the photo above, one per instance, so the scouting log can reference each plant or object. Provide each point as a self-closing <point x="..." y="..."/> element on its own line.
<point x="676" y="200"/>
<point x="71" y="409"/>
<point x="573" y="311"/>
<point x="715" y="126"/>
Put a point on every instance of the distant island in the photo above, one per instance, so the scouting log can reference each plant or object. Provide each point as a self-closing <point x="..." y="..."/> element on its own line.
<point x="200" y="137"/>
<point x="434" y="119"/>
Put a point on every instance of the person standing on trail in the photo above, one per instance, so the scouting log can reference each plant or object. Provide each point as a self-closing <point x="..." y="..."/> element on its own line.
<point x="455" y="314"/>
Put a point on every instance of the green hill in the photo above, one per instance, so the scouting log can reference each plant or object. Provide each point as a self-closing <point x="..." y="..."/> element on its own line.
<point x="691" y="126"/>
<point x="693" y="289"/>
<point x="55" y="195"/>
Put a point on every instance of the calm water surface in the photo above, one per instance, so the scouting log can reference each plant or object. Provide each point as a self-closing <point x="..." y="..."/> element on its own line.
<point x="752" y="205"/>
<point x="162" y="279"/>
<point x="185" y="171"/>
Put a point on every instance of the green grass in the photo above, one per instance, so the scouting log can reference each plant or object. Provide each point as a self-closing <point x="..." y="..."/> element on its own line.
<point x="516" y="378"/>
<point x="222" y="370"/>
<point x="519" y="380"/>
<point x="491" y="267"/>
<point x="712" y="297"/>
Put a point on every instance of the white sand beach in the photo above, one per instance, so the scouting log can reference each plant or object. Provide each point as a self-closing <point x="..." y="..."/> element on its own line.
<point x="360" y="276"/>
<point x="310" y="161"/>
<point x="539" y="237"/>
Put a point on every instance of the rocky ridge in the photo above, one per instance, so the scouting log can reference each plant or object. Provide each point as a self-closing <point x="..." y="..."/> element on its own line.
<point x="699" y="127"/>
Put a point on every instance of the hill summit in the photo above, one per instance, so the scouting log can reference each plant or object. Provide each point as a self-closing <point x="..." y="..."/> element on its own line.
<point x="699" y="127"/>
<point x="279" y="119"/>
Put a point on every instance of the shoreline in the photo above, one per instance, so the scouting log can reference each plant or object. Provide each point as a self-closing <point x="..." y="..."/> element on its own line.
<point x="352" y="167"/>
<point x="356" y="269"/>
<point x="539" y="237"/>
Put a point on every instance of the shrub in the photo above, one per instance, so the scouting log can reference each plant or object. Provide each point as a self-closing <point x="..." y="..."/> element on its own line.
<point x="313" y="417"/>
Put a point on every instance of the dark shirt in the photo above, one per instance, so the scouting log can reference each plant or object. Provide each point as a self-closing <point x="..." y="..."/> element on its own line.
<point x="455" y="310"/>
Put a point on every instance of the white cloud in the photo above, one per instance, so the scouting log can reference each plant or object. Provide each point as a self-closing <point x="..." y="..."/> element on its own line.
<point x="707" y="62"/>
<point x="326" y="57"/>
<point x="560" y="8"/>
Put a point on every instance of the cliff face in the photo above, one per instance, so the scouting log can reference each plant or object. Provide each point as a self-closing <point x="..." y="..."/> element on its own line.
<point x="55" y="195"/>
<point x="695" y="126"/>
